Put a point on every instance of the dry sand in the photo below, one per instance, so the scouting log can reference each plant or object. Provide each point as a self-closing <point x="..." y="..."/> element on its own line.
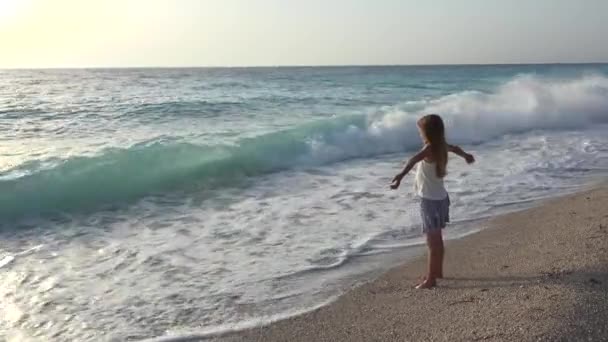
<point x="535" y="275"/>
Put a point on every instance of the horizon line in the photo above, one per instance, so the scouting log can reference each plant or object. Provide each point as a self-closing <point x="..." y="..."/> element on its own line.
<point x="299" y="66"/>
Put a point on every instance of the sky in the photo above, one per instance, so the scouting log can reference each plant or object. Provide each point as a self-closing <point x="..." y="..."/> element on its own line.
<point x="130" y="33"/>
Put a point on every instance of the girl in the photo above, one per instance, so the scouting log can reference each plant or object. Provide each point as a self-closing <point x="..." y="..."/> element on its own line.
<point x="435" y="202"/>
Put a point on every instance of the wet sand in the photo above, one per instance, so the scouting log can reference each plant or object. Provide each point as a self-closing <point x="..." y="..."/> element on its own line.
<point x="535" y="275"/>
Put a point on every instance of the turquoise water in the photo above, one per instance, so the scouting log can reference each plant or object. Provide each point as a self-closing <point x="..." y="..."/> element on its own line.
<point x="146" y="202"/>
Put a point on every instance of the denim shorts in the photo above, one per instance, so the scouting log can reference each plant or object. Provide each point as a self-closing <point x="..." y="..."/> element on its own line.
<point x="435" y="214"/>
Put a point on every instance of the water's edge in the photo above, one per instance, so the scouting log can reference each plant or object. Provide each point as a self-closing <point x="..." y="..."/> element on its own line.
<point x="397" y="258"/>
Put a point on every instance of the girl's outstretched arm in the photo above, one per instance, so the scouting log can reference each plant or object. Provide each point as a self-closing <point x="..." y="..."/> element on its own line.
<point x="425" y="152"/>
<point x="458" y="151"/>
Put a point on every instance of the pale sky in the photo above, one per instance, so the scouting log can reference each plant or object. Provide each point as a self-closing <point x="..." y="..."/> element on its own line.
<point x="126" y="33"/>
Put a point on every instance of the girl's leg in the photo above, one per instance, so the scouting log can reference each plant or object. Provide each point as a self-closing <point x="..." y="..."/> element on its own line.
<point x="434" y="243"/>
<point x="442" y="254"/>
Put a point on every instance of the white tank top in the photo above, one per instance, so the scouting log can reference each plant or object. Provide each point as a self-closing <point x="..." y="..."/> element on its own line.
<point x="427" y="184"/>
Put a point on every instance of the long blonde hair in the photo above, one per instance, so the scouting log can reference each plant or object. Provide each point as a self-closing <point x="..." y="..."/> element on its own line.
<point x="433" y="132"/>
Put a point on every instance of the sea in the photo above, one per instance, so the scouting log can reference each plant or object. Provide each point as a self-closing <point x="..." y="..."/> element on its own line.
<point x="139" y="204"/>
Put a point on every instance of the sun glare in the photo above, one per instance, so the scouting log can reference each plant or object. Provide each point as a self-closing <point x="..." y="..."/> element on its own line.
<point x="11" y="9"/>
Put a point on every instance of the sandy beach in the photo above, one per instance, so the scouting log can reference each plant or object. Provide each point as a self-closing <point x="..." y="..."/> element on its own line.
<point x="536" y="275"/>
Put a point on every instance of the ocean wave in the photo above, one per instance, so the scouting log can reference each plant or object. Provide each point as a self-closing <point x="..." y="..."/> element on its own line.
<point x="185" y="108"/>
<point x="523" y="104"/>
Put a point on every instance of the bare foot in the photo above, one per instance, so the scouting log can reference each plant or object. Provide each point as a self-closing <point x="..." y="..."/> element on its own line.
<point x="423" y="278"/>
<point x="427" y="284"/>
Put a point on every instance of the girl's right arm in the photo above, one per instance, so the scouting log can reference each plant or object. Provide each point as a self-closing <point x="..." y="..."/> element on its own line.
<point x="425" y="152"/>
<point x="458" y="151"/>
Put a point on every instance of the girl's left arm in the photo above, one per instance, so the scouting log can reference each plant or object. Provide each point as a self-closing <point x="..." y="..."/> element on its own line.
<point x="410" y="164"/>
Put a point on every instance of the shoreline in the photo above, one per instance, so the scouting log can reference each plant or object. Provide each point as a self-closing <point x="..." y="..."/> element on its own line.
<point x="519" y="267"/>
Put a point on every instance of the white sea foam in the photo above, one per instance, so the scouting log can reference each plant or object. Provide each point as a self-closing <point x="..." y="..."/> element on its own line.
<point x="523" y="104"/>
